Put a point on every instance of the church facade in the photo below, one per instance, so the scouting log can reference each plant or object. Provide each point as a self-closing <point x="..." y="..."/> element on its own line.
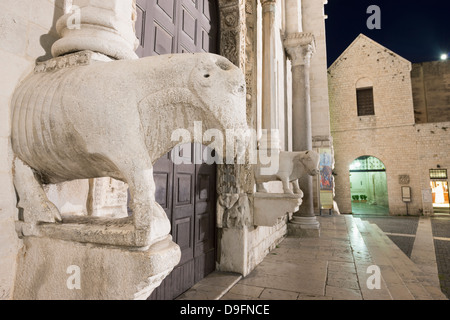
<point x="213" y="217"/>
<point x="389" y="122"/>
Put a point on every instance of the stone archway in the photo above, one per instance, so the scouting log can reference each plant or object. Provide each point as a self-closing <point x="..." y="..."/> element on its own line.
<point x="368" y="186"/>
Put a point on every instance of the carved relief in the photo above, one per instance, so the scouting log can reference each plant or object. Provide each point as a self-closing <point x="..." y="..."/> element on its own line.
<point x="234" y="182"/>
<point x="403" y="179"/>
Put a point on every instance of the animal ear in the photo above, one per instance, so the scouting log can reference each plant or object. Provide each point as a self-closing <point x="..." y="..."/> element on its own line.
<point x="298" y="158"/>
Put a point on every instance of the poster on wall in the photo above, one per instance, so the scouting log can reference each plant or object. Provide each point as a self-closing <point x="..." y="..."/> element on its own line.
<point x="326" y="179"/>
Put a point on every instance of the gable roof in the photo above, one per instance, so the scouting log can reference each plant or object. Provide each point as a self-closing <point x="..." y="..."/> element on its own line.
<point x="363" y="37"/>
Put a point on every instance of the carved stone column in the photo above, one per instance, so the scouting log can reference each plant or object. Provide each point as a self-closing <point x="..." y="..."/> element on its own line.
<point x="300" y="46"/>
<point x="234" y="181"/>
<point x="270" y="137"/>
<point x="105" y="27"/>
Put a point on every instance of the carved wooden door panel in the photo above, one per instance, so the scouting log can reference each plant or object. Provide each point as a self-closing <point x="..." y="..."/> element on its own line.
<point x="185" y="191"/>
<point x="176" y="26"/>
<point x="205" y="222"/>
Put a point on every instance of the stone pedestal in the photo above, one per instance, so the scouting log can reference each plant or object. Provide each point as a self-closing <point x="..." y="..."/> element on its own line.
<point x="269" y="207"/>
<point x="304" y="227"/>
<point x="50" y="269"/>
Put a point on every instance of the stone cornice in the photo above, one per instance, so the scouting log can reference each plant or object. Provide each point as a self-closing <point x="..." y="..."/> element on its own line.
<point x="300" y="47"/>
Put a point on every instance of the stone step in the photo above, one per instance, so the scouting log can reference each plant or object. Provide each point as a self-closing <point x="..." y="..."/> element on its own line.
<point x="394" y="283"/>
<point x="363" y="260"/>
<point x="424" y="278"/>
<point x="402" y="276"/>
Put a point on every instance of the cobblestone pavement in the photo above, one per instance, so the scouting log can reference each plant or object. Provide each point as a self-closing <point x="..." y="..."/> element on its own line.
<point x="402" y="229"/>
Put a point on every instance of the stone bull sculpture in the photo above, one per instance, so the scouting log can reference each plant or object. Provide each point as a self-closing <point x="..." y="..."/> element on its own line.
<point x="115" y="119"/>
<point x="292" y="166"/>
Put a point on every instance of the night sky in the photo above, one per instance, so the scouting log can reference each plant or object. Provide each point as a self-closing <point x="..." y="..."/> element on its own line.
<point x="416" y="30"/>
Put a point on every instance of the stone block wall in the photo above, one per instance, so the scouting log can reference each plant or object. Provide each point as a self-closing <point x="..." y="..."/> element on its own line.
<point x="433" y="152"/>
<point x="395" y="147"/>
<point x="390" y="77"/>
<point x="26" y="34"/>
<point x="262" y="240"/>
<point x="431" y="91"/>
<point x="391" y="134"/>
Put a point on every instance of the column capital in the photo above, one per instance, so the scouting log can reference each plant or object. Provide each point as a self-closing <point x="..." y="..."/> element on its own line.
<point x="268" y="5"/>
<point x="300" y="46"/>
<point x="264" y="2"/>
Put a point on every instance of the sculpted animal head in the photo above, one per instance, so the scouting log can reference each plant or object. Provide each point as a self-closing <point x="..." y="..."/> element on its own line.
<point x="220" y="86"/>
<point x="310" y="160"/>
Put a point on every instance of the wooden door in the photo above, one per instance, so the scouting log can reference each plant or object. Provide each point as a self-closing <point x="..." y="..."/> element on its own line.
<point x="176" y="26"/>
<point x="186" y="191"/>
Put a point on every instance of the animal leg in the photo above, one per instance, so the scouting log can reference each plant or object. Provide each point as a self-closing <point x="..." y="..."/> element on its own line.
<point x="297" y="189"/>
<point x="260" y="188"/>
<point x="32" y="198"/>
<point x="286" y="187"/>
<point x="147" y="213"/>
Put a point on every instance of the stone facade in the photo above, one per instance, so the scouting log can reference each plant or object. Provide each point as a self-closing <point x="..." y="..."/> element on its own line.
<point x="26" y="35"/>
<point x="431" y="96"/>
<point x="29" y="30"/>
<point x="406" y="148"/>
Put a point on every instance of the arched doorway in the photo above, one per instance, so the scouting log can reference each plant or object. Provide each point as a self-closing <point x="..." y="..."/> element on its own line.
<point x="185" y="189"/>
<point x="368" y="186"/>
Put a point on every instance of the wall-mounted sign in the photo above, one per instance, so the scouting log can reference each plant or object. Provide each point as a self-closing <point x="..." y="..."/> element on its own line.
<point x="406" y="194"/>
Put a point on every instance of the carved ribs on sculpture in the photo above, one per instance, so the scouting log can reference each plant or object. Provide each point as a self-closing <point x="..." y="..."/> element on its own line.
<point x="116" y="119"/>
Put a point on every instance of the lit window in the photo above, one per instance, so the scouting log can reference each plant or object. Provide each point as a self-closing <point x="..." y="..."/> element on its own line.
<point x="438" y="173"/>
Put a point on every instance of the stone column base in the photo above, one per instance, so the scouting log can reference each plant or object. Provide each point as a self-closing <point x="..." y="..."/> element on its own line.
<point x="304" y="227"/>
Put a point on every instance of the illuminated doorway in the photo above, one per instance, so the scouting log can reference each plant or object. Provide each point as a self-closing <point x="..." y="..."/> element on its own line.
<point x="439" y="189"/>
<point x="368" y="186"/>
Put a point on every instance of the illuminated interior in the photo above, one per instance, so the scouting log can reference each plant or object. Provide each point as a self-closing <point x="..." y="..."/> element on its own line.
<point x="440" y="193"/>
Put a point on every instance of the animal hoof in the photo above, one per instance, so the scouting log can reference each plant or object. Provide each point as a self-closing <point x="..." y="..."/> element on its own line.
<point x="50" y="214"/>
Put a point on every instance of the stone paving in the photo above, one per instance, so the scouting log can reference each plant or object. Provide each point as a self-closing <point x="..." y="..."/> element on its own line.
<point x="402" y="231"/>
<point x="441" y="232"/>
<point x="332" y="267"/>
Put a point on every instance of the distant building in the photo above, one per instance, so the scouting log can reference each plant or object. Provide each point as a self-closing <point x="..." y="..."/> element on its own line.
<point x="390" y="122"/>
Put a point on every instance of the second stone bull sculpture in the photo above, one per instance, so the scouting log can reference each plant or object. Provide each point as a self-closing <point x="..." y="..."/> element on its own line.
<point x="292" y="166"/>
<point x="115" y="119"/>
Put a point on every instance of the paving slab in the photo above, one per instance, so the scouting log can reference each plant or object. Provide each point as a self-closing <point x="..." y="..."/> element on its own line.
<point x="332" y="267"/>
